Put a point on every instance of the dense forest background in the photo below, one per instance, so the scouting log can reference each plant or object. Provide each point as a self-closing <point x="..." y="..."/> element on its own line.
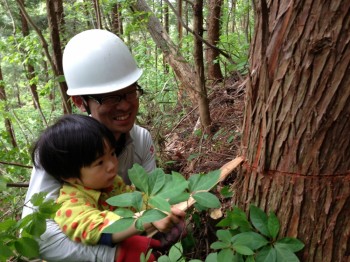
<point x="266" y="80"/>
<point x="33" y="36"/>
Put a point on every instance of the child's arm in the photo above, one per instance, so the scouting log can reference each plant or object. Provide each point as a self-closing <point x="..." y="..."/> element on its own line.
<point x="163" y="225"/>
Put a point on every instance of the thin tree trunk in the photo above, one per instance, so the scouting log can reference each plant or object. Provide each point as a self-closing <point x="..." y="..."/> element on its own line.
<point x="203" y="103"/>
<point x="117" y="23"/>
<point x="29" y="68"/>
<point x="7" y="121"/>
<point x="213" y="28"/>
<point x="97" y="14"/>
<point x="57" y="51"/>
<point x="296" y="127"/>
<point x="47" y="53"/>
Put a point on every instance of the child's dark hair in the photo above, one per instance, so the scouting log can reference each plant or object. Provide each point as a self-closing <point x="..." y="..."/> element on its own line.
<point x="73" y="142"/>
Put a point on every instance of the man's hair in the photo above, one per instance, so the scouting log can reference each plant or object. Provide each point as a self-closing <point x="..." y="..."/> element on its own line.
<point x="73" y="142"/>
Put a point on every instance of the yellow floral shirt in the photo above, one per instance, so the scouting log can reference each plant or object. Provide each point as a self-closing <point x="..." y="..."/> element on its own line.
<point x="84" y="212"/>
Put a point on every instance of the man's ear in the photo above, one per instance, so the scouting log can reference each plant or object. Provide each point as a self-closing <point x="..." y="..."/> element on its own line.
<point x="79" y="103"/>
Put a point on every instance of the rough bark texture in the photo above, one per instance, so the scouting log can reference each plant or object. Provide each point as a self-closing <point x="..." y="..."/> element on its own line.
<point x="296" y="131"/>
<point x="213" y="29"/>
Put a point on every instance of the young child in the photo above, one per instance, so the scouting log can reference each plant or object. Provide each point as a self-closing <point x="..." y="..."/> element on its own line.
<point x="80" y="152"/>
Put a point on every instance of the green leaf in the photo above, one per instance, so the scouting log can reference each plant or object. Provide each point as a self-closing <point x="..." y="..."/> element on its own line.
<point x="236" y="218"/>
<point x="226" y="192"/>
<point x="273" y="225"/>
<point x="160" y="203"/>
<point x="175" y="252"/>
<point x="119" y="225"/>
<point x="220" y="245"/>
<point x="38" y="198"/>
<point x="225" y="255"/>
<point x="156" y="181"/>
<point x="207" y="199"/>
<point x="5" y="252"/>
<point x="212" y="257"/>
<point x="151" y="215"/>
<point x="292" y="244"/>
<point x="243" y="250"/>
<point x="163" y="258"/>
<point x="3" y="184"/>
<point x="180" y="198"/>
<point x="259" y="220"/>
<point x="27" y="247"/>
<point x="250" y="239"/>
<point x="60" y="78"/>
<point x="37" y="226"/>
<point x="250" y="259"/>
<point x="204" y="181"/>
<point x="133" y="199"/>
<point x="285" y="254"/>
<point x="48" y="208"/>
<point x="124" y="212"/>
<point x="174" y="186"/>
<point x="266" y="254"/>
<point x="224" y="235"/>
<point x="139" y="177"/>
<point x="7" y="224"/>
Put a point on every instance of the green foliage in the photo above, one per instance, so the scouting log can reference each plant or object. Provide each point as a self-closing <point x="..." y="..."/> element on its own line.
<point x="254" y="240"/>
<point x="155" y="194"/>
<point x="24" y="244"/>
<point x="241" y="239"/>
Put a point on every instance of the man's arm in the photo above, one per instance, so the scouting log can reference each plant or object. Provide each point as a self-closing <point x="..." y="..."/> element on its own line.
<point x="56" y="246"/>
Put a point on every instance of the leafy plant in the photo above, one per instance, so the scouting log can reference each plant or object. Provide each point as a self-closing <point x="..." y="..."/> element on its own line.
<point x="24" y="244"/>
<point x="156" y="192"/>
<point x="254" y="240"/>
<point x="241" y="239"/>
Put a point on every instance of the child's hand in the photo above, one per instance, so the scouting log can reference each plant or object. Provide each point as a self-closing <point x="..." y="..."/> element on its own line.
<point x="166" y="224"/>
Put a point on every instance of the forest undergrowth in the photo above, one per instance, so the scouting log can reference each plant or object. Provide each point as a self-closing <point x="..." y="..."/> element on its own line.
<point x="189" y="151"/>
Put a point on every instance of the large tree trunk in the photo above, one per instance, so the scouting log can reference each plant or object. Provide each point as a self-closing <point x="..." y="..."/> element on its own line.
<point x="296" y="131"/>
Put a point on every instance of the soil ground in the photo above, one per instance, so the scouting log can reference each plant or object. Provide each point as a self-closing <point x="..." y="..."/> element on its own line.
<point x="188" y="151"/>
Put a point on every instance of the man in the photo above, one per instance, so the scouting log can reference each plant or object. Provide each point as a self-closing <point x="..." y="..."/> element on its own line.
<point x="101" y="75"/>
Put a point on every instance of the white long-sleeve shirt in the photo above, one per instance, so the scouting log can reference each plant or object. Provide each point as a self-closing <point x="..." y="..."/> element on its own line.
<point x="54" y="244"/>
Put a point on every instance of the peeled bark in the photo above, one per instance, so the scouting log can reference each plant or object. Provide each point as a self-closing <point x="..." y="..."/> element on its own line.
<point x="296" y="141"/>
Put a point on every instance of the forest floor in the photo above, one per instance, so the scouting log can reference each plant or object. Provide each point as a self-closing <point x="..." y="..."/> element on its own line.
<point x="189" y="152"/>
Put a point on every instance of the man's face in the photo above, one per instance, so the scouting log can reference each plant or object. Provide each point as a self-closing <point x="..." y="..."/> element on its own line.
<point x="118" y="117"/>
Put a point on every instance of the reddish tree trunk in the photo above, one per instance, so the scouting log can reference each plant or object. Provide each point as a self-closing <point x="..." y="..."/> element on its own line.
<point x="213" y="28"/>
<point x="296" y="131"/>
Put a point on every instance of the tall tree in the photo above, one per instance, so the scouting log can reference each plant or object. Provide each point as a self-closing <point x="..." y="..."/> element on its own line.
<point x="7" y="121"/>
<point x="30" y="70"/>
<point x="213" y="31"/>
<point x="203" y="103"/>
<point x="117" y="22"/>
<point x="54" y="27"/>
<point x="296" y="128"/>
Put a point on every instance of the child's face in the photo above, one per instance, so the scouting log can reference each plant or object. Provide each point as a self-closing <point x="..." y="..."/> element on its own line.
<point x="101" y="173"/>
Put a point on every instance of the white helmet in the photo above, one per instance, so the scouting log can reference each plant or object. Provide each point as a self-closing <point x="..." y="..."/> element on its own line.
<point x="96" y="62"/>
